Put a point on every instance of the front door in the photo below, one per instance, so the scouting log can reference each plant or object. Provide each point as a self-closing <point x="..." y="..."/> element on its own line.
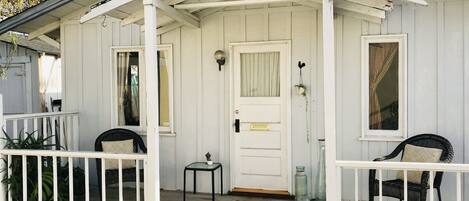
<point x="260" y="112"/>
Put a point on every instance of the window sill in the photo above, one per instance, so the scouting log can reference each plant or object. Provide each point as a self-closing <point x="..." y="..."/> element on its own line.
<point x="162" y="133"/>
<point x="167" y="134"/>
<point x="381" y="139"/>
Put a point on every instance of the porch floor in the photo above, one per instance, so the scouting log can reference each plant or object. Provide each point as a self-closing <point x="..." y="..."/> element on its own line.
<point x="129" y="195"/>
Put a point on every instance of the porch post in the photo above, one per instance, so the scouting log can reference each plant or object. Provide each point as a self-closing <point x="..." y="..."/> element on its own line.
<point x="152" y="164"/>
<point x="332" y="186"/>
<point x="3" y="188"/>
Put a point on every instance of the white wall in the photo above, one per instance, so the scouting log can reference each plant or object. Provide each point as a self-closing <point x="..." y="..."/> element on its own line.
<point x="437" y="82"/>
<point x="201" y="91"/>
<point x="437" y="70"/>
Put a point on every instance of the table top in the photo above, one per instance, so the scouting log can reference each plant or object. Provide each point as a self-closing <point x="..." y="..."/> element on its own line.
<point x="203" y="166"/>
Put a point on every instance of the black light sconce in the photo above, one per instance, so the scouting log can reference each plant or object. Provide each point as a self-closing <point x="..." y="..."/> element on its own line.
<point x="221" y="58"/>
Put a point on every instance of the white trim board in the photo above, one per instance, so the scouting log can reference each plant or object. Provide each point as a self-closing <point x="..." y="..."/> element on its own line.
<point x="385" y="135"/>
<point x="164" y="131"/>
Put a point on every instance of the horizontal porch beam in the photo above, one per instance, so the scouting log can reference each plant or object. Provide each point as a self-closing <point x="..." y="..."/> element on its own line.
<point x="381" y="4"/>
<point x="357" y="8"/>
<point x="166" y="28"/>
<point x="226" y="4"/>
<point x="44" y="30"/>
<point x="420" y="2"/>
<point x="135" y="17"/>
<point x="49" y="41"/>
<point x="311" y="4"/>
<point x="176" y="15"/>
<point x="103" y="9"/>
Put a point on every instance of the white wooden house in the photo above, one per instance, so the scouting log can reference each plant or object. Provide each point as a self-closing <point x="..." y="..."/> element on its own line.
<point x="200" y="101"/>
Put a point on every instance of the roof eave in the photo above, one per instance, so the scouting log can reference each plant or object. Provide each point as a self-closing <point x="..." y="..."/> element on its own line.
<point x="30" y="14"/>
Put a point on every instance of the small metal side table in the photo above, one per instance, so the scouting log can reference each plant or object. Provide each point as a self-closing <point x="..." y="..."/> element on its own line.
<point x="203" y="166"/>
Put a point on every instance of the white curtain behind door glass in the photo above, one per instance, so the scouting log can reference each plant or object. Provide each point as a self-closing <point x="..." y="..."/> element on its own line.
<point x="122" y="69"/>
<point x="260" y="76"/>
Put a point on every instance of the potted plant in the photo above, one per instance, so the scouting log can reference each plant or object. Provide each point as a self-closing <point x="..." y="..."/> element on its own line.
<point x="15" y="181"/>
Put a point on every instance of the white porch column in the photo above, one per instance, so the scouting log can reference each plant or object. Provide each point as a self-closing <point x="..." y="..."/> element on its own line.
<point x="3" y="187"/>
<point x="333" y="190"/>
<point x="152" y="164"/>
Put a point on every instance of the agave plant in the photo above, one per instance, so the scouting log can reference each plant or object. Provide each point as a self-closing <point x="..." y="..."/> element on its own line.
<point x="15" y="181"/>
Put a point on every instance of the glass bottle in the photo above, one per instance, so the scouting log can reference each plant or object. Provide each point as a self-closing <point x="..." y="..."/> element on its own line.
<point x="301" y="184"/>
<point x="320" y="191"/>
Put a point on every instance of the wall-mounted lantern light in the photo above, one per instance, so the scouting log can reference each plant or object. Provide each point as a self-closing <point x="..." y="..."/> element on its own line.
<point x="221" y="58"/>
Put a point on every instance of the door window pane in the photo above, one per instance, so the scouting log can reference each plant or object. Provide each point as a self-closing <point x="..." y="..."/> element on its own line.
<point x="128" y="89"/>
<point x="384" y="86"/>
<point x="260" y="74"/>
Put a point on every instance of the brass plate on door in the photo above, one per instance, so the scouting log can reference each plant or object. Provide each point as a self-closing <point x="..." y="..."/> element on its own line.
<point x="260" y="127"/>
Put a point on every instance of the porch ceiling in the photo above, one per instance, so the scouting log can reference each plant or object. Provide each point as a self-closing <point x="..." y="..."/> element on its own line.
<point x="174" y="13"/>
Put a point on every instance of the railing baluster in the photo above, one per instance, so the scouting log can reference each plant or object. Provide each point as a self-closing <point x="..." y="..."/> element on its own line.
<point x="54" y="169"/>
<point x="144" y="166"/>
<point x="61" y="133"/>
<point x="430" y="179"/>
<point x="25" y="177"/>
<point x="39" y="178"/>
<point x="68" y="133"/>
<point x="380" y="178"/>
<point x="103" y="179"/>
<point x="15" y="129"/>
<point x="405" y="186"/>
<point x="25" y="128"/>
<point x="87" y="179"/>
<point x="356" y="183"/>
<point x="137" y="179"/>
<point x="121" y="193"/>
<point x="458" y="187"/>
<point x="70" y="180"/>
<point x="75" y="132"/>
<point x="35" y="126"/>
<point x="44" y="128"/>
<point x="52" y="121"/>
<point x="9" y="176"/>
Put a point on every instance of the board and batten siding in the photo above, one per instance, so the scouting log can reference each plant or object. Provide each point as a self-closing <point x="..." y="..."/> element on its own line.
<point x="201" y="92"/>
<point x="438" y="93"/>
<point x="34" y="105"/>
<point x="438" y="83"/>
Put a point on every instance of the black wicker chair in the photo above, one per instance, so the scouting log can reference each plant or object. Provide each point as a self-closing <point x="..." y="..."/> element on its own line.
<point x="112" y="176"/>
<point x="416" y="192"/>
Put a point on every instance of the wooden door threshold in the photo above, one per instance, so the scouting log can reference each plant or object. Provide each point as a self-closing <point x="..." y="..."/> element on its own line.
<point x="275" y="194"/>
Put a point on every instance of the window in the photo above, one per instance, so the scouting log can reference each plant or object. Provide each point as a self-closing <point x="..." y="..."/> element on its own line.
<point x="260" y="74"/>
<point x="129" y="88"/>
<point x="384" y="66"/>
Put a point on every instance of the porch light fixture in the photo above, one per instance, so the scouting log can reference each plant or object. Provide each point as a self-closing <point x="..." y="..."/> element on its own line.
<point x="221" y="58"/>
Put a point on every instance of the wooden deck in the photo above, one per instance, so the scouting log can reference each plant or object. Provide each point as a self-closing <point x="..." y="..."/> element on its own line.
<point x="129" y="195"/>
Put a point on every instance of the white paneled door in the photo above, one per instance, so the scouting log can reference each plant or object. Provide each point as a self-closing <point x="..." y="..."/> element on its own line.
<point x="260" y="137"/>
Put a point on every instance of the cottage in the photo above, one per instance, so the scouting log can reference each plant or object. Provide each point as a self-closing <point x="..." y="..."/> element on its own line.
<point x="257" y="84"/>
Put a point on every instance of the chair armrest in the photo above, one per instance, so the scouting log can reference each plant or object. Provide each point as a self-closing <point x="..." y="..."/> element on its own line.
<point x="372" y="175"/>
<point x="385" y="158"/>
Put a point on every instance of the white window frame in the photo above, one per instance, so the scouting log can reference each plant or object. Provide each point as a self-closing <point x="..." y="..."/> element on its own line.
<point x="384" y="135"/>
<point x="141" y="129"/>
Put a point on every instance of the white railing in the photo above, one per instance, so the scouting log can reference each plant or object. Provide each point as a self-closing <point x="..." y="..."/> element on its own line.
<point x="432" y="168"/>
<point x="62" y="125"/>
<point x="73" y="158"/>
